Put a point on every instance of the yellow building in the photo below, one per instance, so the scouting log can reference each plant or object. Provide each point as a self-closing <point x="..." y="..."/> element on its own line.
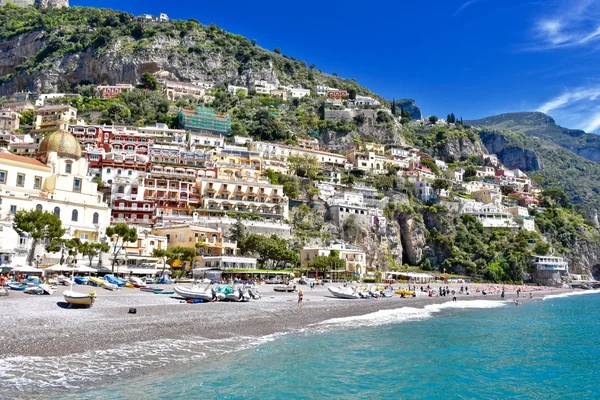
<point x="354" y="257"/>
<point x="54" y="118"/>
<point x="9" y="120"/>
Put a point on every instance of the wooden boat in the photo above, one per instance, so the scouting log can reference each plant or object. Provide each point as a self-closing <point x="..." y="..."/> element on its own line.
<point x="110" y="286"/>
<point x="17" y="286"/>
<point x="79" y="299"/>
<point x="40" y="289"/>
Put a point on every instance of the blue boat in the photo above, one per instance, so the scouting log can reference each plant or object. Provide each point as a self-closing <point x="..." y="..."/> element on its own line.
<point x="81" y="280"/>
<point x="17" y="286"/>
<point x="115" y="281"/>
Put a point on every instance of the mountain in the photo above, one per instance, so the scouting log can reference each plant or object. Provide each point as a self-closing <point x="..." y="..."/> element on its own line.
<point x="51" y="49"/>
<point x="410" y="107"/>
<point x="540" y="125"/>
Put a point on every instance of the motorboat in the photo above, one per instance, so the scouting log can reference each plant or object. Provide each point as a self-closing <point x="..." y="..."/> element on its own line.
<point x="17" y="286"/>
<point x="137" y="282"/>
<point x="110" y="286"/>
<point x="290" y="287"/>
<point x="344" y="293"/>
<point x="253" y="292"/>
<point x="82" y="280"/>
<point x="151" y="289"/>
<point x="115" y="281"/>
<point x="149" y="281"/>
<point x="63" y="280"/>
<point x="79" y="299"/>
<point x="196" y="291"/>
<point x="40" y="289"/>
<point x="96" y="281"/>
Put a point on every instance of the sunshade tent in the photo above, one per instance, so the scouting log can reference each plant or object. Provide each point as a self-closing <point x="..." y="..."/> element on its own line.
<point x="84" y="269"/>
<point x="27" y="270"/>
<point x="58" y="268"/>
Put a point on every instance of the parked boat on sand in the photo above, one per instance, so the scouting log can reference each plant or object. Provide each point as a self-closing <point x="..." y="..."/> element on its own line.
<point x="79" y="299"/>
<point x="344" y="293"/>
<point x="196" y="291"/>
<point x="17" y="286"/>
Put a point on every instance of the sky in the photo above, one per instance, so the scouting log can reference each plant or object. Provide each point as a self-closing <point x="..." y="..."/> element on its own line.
<point x="473" y="58"/>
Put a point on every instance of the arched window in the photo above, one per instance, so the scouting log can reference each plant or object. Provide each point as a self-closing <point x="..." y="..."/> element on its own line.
<point x="74" y="215"/>
<point x="57" y="211"/>
<point x="96" y="218"/>
<point x="119" y="172"/>
<point x="39" y="207"/>
<point x="121" y="189"/>
<point x="68" y="167"/>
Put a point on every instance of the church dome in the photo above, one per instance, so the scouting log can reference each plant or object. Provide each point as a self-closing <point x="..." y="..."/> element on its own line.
<point x="62" y="143"/>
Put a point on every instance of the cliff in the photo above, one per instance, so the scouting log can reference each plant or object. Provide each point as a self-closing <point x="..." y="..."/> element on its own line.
<point x="511" y="156"/>
<point x="409" y="106"/>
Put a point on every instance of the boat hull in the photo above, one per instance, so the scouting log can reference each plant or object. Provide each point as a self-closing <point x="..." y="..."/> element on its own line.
<point x="17" y="286"/>
<point x="201" y="294"/>
<point x="79" y="299"/>
<point x="343" y="294"/>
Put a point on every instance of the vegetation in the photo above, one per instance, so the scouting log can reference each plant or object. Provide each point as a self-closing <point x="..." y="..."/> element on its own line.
<point x="38" y="225"/>
<point x="121" y="234"/>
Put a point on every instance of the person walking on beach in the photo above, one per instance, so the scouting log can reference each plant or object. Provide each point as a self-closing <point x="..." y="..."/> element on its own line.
<point x="300" y="294"/>
<point x="502" y="295"/>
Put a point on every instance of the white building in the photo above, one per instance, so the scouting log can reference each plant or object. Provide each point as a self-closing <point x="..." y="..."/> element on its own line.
<point x="489" y="215"/>
<point x="354" y="257"/>
<point x="298" y="93"/>
<point x="264" y="87"/>
<point x="236" y="89"/>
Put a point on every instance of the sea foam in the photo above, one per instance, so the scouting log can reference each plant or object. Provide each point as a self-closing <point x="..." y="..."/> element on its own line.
<point x="569" y="294"/>
<point x="404" y="314"/>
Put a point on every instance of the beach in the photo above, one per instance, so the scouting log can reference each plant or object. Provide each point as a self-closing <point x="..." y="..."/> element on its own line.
<point x="42" y="326"/>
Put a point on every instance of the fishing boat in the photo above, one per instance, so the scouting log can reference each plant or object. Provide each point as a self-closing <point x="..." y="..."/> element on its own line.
<point x="40" y="289"/>
<point x="17" y="286"/>
<point x="205" y="292"/>
<point x="344" y="293"/>
<point x="79" y="299"/>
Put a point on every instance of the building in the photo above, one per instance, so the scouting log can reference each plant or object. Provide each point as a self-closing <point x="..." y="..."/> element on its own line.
<point x="57" y="182"/>
<point x="54" y="118"/>
<point x="237" y="89"/>
<point x="483" y="172"/>
<point x="111" y="91"/>
<point x="354" y="257"/>
<point x="365" y="101"/>
<point x="455" y="174"/>
<point x="264" y="87"/>
<point x="489" y="215"/>
<point x="41" y="100"/>
<point x="488" y="196"/>
<point x="522" y="214"/>
<point x="9" y="120"/>
<point x="280" y="151"/>
<point x="175" y="90"/>
<point x="281" y="94"/>
<point x="229" y="262"/>
<point x="204" y="119"/>
<point x="549" y="270"/>
<point x="298" y="93"/>
<point x="337" y="94"/>
<point x="223" y="196"/>
<point x="322" y="90"/>
<point x="346" y="204"/>
<point x="369" y="161"/>
<point x="19" y="106"/>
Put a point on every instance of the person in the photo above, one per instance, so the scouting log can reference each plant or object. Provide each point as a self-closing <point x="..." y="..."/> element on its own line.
<point x="530" y="295"/>
<point x="502" y="295"/>
<point x="300" y="294"/>
<point x="518" y="293"/>
<point x="454" y="298"/>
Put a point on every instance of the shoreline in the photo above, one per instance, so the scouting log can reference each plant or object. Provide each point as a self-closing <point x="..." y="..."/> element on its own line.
<point x="37" y="326"/>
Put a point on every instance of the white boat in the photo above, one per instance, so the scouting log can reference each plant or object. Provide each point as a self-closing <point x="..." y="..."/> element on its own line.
<point x="79" y="299"/>
<point x="110" y="286"/>
<point x="137" y="282"/>
<point x="205" y="292"/>
<point x="290" y="287"/>
<point x="344" y="293"/>
<point x="63" y="280"/>
<point x="42" y="288"/>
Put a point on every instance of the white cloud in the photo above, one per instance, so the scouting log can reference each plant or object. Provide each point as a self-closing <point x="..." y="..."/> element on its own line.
<point x="567" y="24"/>
<point x="463" y="6"/>
<point x="576" y="108"/>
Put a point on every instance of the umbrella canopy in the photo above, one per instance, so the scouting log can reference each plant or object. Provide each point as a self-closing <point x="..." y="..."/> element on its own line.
<point x="27" y="270"/>
<point x="59" y="268"/>
<point x="83" y="268"/>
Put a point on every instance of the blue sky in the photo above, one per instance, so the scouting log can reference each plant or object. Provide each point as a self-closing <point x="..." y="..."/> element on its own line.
<point x="471" y="57"/>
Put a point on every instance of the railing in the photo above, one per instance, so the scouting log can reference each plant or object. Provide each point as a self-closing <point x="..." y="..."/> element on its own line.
<point x="148" y="209"/>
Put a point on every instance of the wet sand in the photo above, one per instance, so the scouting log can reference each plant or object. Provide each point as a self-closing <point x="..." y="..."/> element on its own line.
<point x="43" y="326"/>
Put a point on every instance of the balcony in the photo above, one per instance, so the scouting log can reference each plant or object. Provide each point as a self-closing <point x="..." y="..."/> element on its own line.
<point x="135" y="209"/>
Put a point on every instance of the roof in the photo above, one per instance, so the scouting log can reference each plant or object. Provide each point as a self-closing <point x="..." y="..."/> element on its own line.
<point x="22" y="159"/>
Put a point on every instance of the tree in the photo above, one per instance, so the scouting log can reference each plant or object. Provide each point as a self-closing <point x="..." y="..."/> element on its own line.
<point x="433" y="119"/>
<point x="426" y="162"/>
<point x="237" y="233"/>
<point x="179" y="253"/>
<point x="352" y="93"/>
<point x="91" y="250"/>
<point x="291" y="189"/>
<point x="306" y="166"/>
<point x="26" y="117"/>
<point x="439" y="185"/>
<point x="162" y="255"/>
<point x="350" y="229"/>
<point x="148" y="81"/>
<point x="277" y="50"/>
<point x="266" y="127"/>
<point x="553" y="195"/>
<point x="38" y="225"/>
<point x="541" y="248"/>
<point x="121" y="234"/>
<point x="69" y="247"/>
<point x="394" y="107"/>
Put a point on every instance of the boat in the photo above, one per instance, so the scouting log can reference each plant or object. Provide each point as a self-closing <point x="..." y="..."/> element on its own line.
<point x="82" y="280"/>
<point x="165" y="292"/>
<point x="110" y="286"/>
<point x="79" y="299"/>
<point x="114" y="280"/>
<point x="63" y="280"/>
<point x="404" y="292"/>
<point x="96" y="281"/>
<point x="196" y="291"/>
<point x="151" y="289"/>
<point x="129" y="285"/>
<point x="344" y="293"/>
<point x="17" y="286"/>
<point x="40" y="289"/>
<point x="137" y="282"/>
<point x="285" y="288"/>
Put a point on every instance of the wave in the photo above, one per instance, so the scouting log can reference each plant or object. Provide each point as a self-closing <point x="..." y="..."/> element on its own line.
<point x="30" y="374"/>
<point x="569" y="294"/>
<point x="404" y="314"/>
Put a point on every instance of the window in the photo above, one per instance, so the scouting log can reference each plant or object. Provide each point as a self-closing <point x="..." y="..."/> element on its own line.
<point x="77" y="185"/>
<point x="84" y="236"/>
<point x="74" y="215"/>
<point x="68" y="167"/>
<point x="119" y="172"/>
<point x="2" y="176"/>
<point x="13" y="210"/>
<point x="38" y="207"/>
<point x="129" y="173"/>
<point x="96" y="218"/>
<point x="21" y="180"/>
<point x="57" y="211"/>
<point x="37" y="182"/>
<point x="108" y="170"/>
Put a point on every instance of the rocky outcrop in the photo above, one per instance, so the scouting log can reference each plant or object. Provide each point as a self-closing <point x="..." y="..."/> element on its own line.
<point x="410" y="107"/>
<point x="52" y="3"/>
<point x="461" y="147"/>
<point x="412" y="236"/>
<point x="510" y="155"/>
<point x="584" y="258"/>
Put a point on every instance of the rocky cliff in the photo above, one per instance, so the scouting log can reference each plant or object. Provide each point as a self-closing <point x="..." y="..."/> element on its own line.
<point x="412" y="237"/>
<point x="410" y="107"/>
<point x="511" y="156"/>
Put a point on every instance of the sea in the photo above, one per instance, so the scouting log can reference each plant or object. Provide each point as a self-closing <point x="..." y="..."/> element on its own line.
<point x="544" y="348"/>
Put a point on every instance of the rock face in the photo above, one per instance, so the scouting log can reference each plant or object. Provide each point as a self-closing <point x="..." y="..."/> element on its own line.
<point x="511" y="156"/>
<point x="412" y="236"/>
<point x="584" y="258"/>
<point x="461" y="147"/>
<point x="409" y="106"/>
<point x="52" y="3"/>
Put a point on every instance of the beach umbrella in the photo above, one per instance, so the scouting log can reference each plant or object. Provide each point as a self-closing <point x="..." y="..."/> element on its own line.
<point x="84" y="269"/>
<point x="27" y="270"/>
<point x="58" y="268"/>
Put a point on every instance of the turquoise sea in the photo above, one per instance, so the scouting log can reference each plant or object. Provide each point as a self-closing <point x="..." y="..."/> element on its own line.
<point x="543" y="349"/>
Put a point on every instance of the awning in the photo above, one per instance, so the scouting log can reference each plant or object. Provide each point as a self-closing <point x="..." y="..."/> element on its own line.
<point x="27" y="270"/>
<point x="58" y="268"/>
